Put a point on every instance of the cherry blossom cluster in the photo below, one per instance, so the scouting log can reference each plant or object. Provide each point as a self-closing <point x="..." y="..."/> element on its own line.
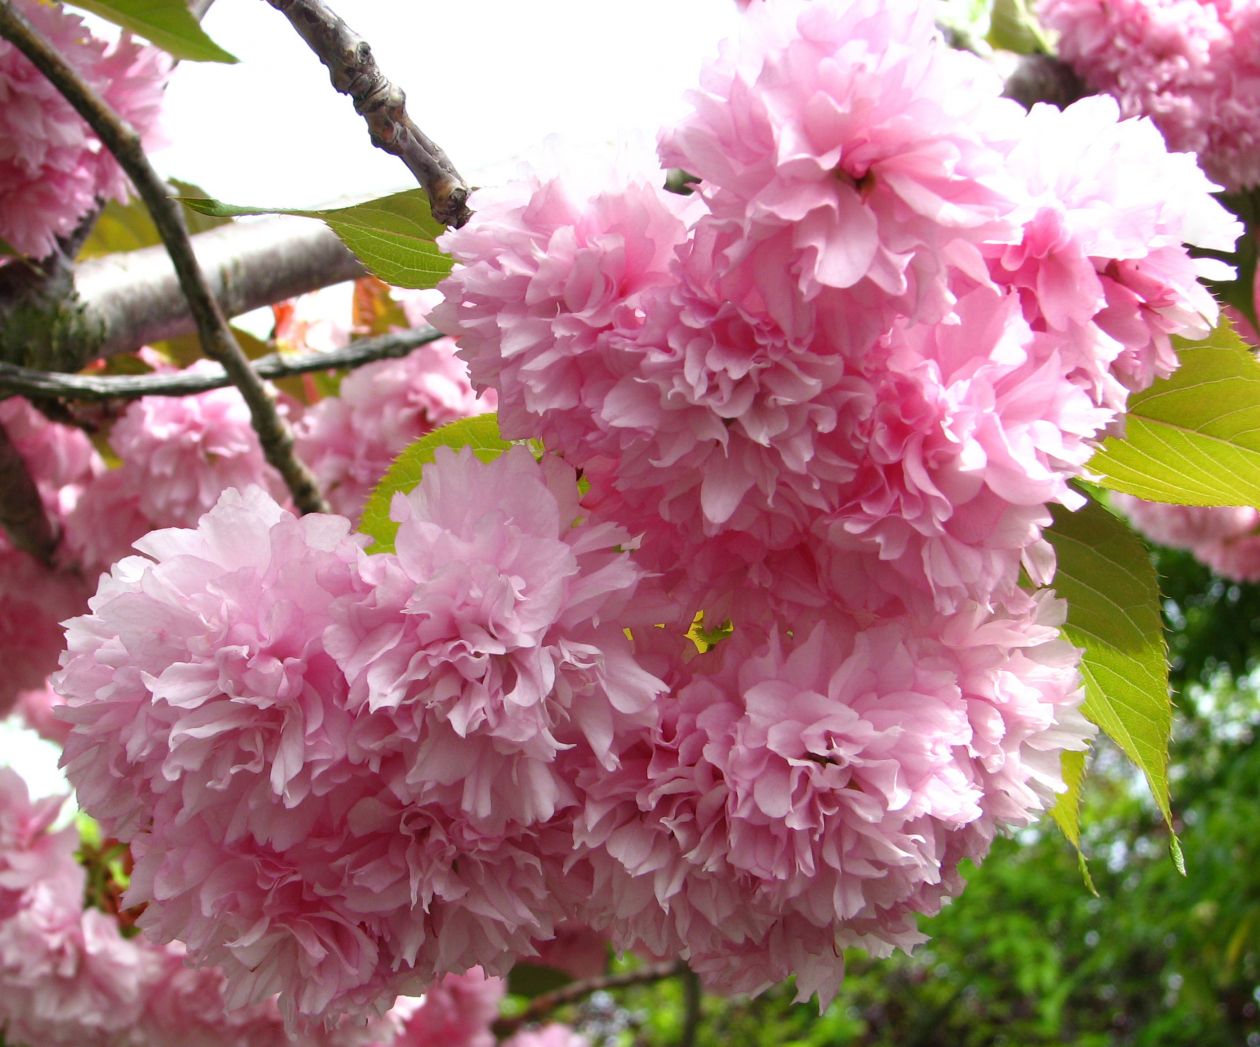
<point x="740" y="668"/>
<point x="53" y="170"/>
<point x="71" y="977"/>
<point x="1225" y="538"/>
<point x="174" y="457"/>
<point x="1192" y="66"/>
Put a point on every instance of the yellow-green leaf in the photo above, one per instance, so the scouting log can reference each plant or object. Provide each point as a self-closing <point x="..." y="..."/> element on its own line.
<point x="393" y="236"/>
<point x="1066" y="811"/>
<point x="1106" y="577"/>
<point x="480" y="433"/>
<point x="1193" y="438"/>
<point x="167" y="24"/>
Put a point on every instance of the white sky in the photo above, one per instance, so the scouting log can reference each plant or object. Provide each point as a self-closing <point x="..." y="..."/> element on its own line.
<point x="488" y="80"/>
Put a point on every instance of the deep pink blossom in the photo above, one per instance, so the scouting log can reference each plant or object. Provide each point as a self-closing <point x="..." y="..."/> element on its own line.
<point x="52" y="167"/>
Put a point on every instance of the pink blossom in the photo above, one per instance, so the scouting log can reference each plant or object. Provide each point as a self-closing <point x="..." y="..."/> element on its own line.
<point x="801" y="796"/>
<point x="494" y="639"/>
<point x="1101" y="263"/>
<point x="1225" y="538"/>
<point x="1189" y="65"/>
<point x="548" y="275"/>
<point x="351" y="439"/>
<point x="552" y="1035"/>
<point x="456" y="1012"/>
<point x="52" y="168"/>
<point x="854" y="150"/>
<point x="60" y="458"/>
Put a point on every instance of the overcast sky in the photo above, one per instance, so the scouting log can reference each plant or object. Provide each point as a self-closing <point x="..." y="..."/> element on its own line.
<point x="488" y="80"/>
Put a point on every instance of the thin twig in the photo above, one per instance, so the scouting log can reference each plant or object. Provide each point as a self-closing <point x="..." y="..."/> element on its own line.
<point x="692" y="1000"/>
<point x="542" y="1005"/>
<point x="26" y="381"/>
<point x="22" y="514"/>
<point x="354" y="72"/>
<point x="216" y="338"/>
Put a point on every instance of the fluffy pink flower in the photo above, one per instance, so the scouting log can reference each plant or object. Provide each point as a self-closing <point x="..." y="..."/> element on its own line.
<point x="178" y="455"/>
<point x="211" y="732"/>
<point x="1225" y="538"/>
<point x="456" y="1012"/>
<point x="349" y="440"/>
<point x="1190" y="65"/>
<point x="552" y="1035"/>
<point x="800" y="797"/>
<point x="548" y="274"/>
<point x="52" y="167"/>
<point x="60" y="458"/>
<point x="182" y="452"/>
<point x="1101" y="263"/>
<point x="494" y="639"/>
<point x="853" y="149"/>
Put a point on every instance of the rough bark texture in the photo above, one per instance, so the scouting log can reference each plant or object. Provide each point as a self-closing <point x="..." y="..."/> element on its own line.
<point x="354" y="72"/>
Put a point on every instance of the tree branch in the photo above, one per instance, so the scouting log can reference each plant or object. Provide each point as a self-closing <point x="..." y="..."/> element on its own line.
<point x="27" y="381"/>
<point x="354" y="72"/>
<point x="136" y="299"/>
<point x="21" y="510"/>
<point x="542" y="1005"/>
<point x="216" y="338"/>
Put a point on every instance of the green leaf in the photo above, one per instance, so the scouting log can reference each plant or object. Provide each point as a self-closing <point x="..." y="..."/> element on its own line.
<point x="1106" y="577"/>
<point x="1194" y="438"/>
<point x="167" y="24"/>
<point x="393" y="236"/>
<point x="1066" y="811"/>
<point x="534" y="979"/>
<point x="129" y="227"/>
<point x="481" y="433"/>
<point x="1014" y="27"/>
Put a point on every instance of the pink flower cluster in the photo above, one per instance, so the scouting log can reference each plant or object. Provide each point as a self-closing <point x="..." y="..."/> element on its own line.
<point x="53" y="169"/>
<point x="34" y="597"/>
<point x="819" y="411"/>
<point x="70" y="978"/>
<point x="352" y="438"/>
<point x="340" y="775"/>
<point x="1192" y="66"/>
<point x="1225" y="538"/>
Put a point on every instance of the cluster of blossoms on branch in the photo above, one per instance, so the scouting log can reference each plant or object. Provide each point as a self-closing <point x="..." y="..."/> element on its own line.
<point x="71" y="977"/>
<point x="53" y="170"/>
<point x="816" y="415"/>
<point x="1192" y="66"/>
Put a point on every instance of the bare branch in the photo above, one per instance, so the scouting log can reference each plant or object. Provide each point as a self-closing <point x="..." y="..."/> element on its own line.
<point x="26" y="381"/>
<point x="135" y="297"/>
<point x="21" y="511"/>
<point x="354" y="72"/>
<point x="542" y="1005"/>
<point x="216" y="338"/>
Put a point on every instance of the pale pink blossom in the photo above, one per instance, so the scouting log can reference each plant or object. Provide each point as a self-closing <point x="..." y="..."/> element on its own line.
<point x="1190" y="65"/>
<point x="455" y="1012"/>
<point x="53" y="170"/>
<point x="493" y="639"/>
<point x="854" y="150"/>
<point x="547" y="275"/>
<point x="1101" y="264"/>
<point x="1225" y="538"/>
